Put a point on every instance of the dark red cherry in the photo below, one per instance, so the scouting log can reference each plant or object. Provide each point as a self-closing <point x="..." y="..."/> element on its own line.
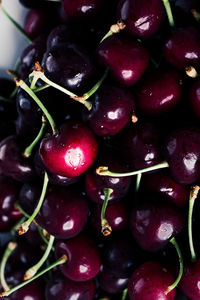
<point x="159" y="92"/>
<point x="62" y="288"/>
<point x="182" y="152"/>
<point x="182" y="49"/>
<point x="35" y="23"/>
<point x="189" y="283"/>
<point x="38" y="4"/>
<point x="111" y="283"/>
<point x="8" y="197"/>
<point x="140" y="145"/>
<point x="126" y="58"/>
<point x="68" y="209"/>
<point x="70" y="152"/>
<point x="162" y="184"/>
<point x="149" y="282"/>
<point x="154" y="224"/>
<point x="33" y="291"/>
<point x="112" y="108"/>
<point x="194" y="96"/>
<point x="69" y="66"/>
<point x="29" y="195"/>
<point x="142" y="18"/>
<point x="12" y="163"/>
<point x="116" y="214"/>
<point x="33" y="236"/>
<point x="83" y="258"/>
<point x="95" y="184"/>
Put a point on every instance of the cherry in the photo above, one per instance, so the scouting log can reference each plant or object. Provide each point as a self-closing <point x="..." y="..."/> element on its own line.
<point x="36" y="22"/>
<point x="70" y="152"/>
<point x="159" y="92"/>
<point x="126" y="58"/>
<point x="12" y="163"/>
<point x="194" y="96"/>
<point x="9" y="195"/>
<point x="140" y="145"/>
<point x="161" y="184"/>
<point x="29" y="195"/>
<point x="33" y="291"/>
<point x="112" y="108"/>
<point x="95" y="184"/>
<point x="83" y="258"/>
<point x="154" y="224"/>
<point x="62" y="288"/>
<point x="68" y="209"/>
<point x="142" y="19"/>
<point x="149" y="282"/>
<point x="33" y="236"/>
<point x="110" y="283"/>
<point x="182" y="49"/>
<point x="182" y="153"/>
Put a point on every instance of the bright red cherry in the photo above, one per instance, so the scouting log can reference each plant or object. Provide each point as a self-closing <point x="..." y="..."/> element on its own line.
<point x="70" y="152"/>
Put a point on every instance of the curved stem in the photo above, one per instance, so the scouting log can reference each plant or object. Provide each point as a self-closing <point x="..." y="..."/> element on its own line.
<point x="105" y="227"/>
<point x="103" y="171"/>
<point x="33" y="270"/>
<point x="193" y="195"/>
<point x="28" y="151"/>
<point x="41" y="88"/>
<point x="21" y="210"/>
<point x="169" y="13"/>
<point x="11" y="246"/>
<point x="26" y="88"/>
<point x="16" y="24"/>
<point x="124" y="294"/>
<point x="138" y="181"/>
<point x="25" y="226"/>
<point x="176" y="282"/>
<point x="60" y="261"/>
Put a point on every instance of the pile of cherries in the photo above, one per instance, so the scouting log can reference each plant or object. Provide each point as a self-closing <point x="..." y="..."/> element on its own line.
<point x="100" y="153"/>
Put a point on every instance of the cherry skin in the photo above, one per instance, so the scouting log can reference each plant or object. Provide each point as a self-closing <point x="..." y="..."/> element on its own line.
<point x="154" y="224"/>
<point x="62" y="288"/>
<point x="95" y="184"/>
<point x="126" y="58"/>
<point x="12" y="163"/>
<point x="159" y="92"/>
<point x="33" y="291"/>
<point x="83" y="258"/>
<point x="182" y="150"/>
<point x="149" y="282"/>
<point x="194" y="96"/>
<point x="182" y="49"/>
<point x="142" y="18"/>
<point x="68" y="209"/>
<point x="35" y="23"/>
<point x="29" y="195"/>
<point x="112" y="109"/>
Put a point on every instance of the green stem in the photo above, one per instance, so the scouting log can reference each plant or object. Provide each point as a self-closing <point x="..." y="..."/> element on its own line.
<point x="26" y="88"/>
<point x="60" y="261"/>
<point x="96" y="86"/>
<point x="33" y="270"/>
<point x="41" y="88"/>
<point x="25" y="226"/>
<point x="8" y="100"/>
<point x="138" y="181"/>
<point x="169" y="13"/>
<point x="7" y="253"/>
<point x="105" y="227"/>
<point x="28" y="151"/>
<point x="21" y="210"/>
<point x="14" y="92"/>
<point x="176" y="282"/>
<point x="193" y="195"/>
<point x="196" y="14"/>
<point x="103" y="171"/>
<point x="124" y="294"/>
<point x="16" y="24"/>
<point x="115" y="28"/>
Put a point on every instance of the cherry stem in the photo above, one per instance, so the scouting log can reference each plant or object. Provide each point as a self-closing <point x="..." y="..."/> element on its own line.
<point x="41" y="88"/>
<point x="33" y="270"/>
<point x="27" y="38"/>
<point x="115" y="28"/>
<point x="106" y="229"/>
<point x="196" y="14"/>
<point x="124" y="294"/>
<point x="27" y="89"/>
<point x="191" y="72"/>
<point x="193" y="195"/>
<point x="4" y="99"/>
<point x="25" y="226"/>
<point x="138" y="181"/>
<point x="60" y="261"/>
<point x="28" y="151"/>
<point x="103" y="170"/>
<point x="169" y="13"/>
<point x="176" y="282"/>
<point x="11" y="246"/>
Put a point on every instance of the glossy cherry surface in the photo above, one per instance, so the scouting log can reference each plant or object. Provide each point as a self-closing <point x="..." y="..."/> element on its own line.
<point x="33" y="291"/>
<point x="29" y="195"/>
<point x="83" y="258"/>
<point x="126" y="58"/>
<point x="154" y="224"/>
<point x="159" y="92"/>
<point x="62" y="288"/>
<point x="142" y="18"/>
<point x="70" y="152"/>
<point x="149" y="282"/>
<point x="35" y="23"/>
